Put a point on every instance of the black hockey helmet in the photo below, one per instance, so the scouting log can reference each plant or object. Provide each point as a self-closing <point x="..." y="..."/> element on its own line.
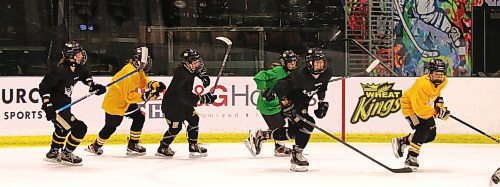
<point x="437" y="65"/>
<point x="136" y="59"/>
<point x="190" y="55"/>
<point x="286" y="57"/>
<point x="70" y="50"/>
<point x="313" y="55"/>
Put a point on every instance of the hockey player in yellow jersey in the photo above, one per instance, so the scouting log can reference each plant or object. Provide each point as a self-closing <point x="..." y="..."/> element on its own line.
<point x="121" y="100"/>
<point x="420" y="105"/>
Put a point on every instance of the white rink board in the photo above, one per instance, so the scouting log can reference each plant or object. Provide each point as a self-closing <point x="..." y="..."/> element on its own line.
<point x="238" y="112"/>
<point x="471" y="99"/>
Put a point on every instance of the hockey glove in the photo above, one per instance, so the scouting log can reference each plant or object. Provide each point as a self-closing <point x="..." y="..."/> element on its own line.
<point x="50" y="111"/>
<point x="288" y="110"/>
<point x="97" y="88"/>
<point x="157" y="85"/>
<point x="442" y="113"/>
<point x="150" y="95"/>
<point x="207" y="98"/>
<point x="322" y="109"/>
<point x="205" y="79"/>
<point x="268" y="95"/>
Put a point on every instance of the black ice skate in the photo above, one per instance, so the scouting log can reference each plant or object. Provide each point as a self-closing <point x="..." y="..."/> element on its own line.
<point x="299" y="162"/>
<point x="281" y="150"/>
<point x="495" y="178"/>
<point x="412" y="163"/>
<point x="94" y="149"/>
<point x="254" y="142"/>
<point x="53" y="156"/>
<point x="70" y="159"/>
<point x="196" y="151"/>
<point x="135" y="149"/>
<point x="165" y="151"/>
<point x="398" y="146"/>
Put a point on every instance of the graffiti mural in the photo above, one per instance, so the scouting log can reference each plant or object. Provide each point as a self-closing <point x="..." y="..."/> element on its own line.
<point x="428" y="29"/>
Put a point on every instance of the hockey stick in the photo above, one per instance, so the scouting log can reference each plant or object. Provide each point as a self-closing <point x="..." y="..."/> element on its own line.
<point x="229" y="44"/>
<point x="394" y="170"/>
<point x="371" y="54"/>
<point x="142" y="64"/>
<point x="476" y="129"/>
<point x="367" y="70"/>
<point x="425" y="53"/>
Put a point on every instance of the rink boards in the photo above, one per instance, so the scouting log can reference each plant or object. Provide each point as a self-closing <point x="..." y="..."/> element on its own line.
<point x="371" y="105"/>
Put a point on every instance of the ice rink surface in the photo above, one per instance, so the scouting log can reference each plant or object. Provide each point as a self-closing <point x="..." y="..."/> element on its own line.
<point x="331" y="164"/>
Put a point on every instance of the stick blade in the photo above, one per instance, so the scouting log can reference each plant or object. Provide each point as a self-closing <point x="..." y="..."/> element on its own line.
<point x="225" y="40"/>
<point x="402" y="170"/>
<point x="144" y="58"/>
<point x="372" y="65"/>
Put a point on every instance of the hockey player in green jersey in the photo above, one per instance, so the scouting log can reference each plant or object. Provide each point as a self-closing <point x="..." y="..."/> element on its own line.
<point x="269" y="105"/>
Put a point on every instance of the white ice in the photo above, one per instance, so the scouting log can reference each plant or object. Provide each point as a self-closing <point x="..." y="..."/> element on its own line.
<point x="331" y="164"/>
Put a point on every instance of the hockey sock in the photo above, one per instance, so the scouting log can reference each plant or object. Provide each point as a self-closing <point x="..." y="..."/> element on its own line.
<point x="72" y="142"/>
<point x="414" y="149"/>
<point x="281" y="134"/>
<point x="100" y="141"/>
<point x="134" y="137"/>
<point x="58" y="140"/>
<point x="192" y="132"/>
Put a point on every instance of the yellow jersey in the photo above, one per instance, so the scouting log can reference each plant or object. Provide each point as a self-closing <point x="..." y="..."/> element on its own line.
<point x="419" y="99"/>
<point x="121" y="94"/>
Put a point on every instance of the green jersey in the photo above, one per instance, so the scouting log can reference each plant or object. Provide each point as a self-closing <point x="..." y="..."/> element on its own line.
<point x="266" y="79"/>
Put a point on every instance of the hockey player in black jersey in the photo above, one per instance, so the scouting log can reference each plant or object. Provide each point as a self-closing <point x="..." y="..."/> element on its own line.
<point x="179" y="102"/>
<point x="295" y="93"/>
<point x="55" y="90"/>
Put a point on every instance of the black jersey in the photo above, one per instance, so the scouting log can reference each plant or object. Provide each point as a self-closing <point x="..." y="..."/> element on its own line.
<point x="179" y="100"/>
<point x="58" y="83"/>
<point x="300" y="86"/>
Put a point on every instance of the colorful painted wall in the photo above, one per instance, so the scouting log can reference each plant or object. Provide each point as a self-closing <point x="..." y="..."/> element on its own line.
<point x="438" y="29"/>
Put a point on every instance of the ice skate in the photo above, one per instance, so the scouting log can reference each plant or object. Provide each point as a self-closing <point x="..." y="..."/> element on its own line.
<point x="53" y="156"/>
<point x="398" y="146"/>
<point x="254" y="142"/>
<point x="196" y="151"/>
<point x="412" y="163"/>
<point x="495" y="178"/>
<point x="70" y="159"/>
<point x="165" y="151"/>
<point x="298" y="161"/>
<point x="280" y="150"/>
<point x="135" y="149"/>
<point x="94" y="149"/>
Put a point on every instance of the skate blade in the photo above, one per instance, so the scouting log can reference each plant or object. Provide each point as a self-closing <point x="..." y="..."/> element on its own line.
<point x="52" y="160"/>
<point x="66" y="163"/>
<point x="163" y="156"/>
<point x="395" y="147"/>
<point x="249" y="146"/>
<point x="282" y="155"/>
<point x="197" y="155"/>
<point x="298" y="168"/>
<point x="134" y="153"/>
<point x="90" y="151"/>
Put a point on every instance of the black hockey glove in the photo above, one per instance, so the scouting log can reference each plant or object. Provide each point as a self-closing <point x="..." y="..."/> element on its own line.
<point x="288" y="111"/>
<point x="97" y="88"/>
<point x="207" y="98"/>
<point x="322" y="109"/>
<point x="268" y="95"/>
<point x="150" y="95"/>
<point x="205" y="79"/>
<point x="157" y="85"/>
<point x="50" y="111"/>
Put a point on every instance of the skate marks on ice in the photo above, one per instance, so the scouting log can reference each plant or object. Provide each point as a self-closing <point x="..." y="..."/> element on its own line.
<point x="231" y="164"/>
